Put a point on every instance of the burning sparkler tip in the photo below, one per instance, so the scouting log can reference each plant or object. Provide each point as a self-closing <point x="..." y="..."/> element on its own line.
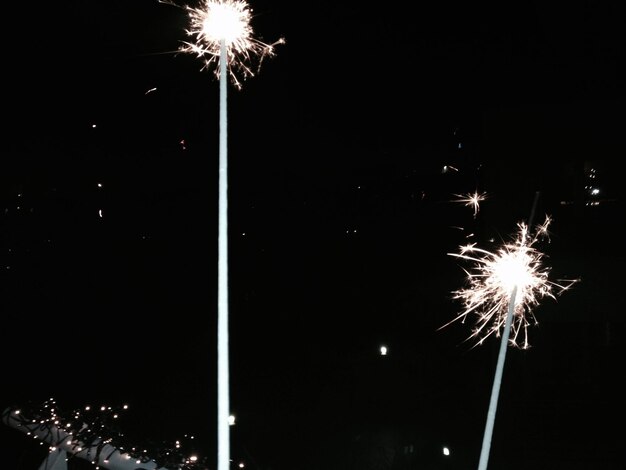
<point x="516" y="267"/>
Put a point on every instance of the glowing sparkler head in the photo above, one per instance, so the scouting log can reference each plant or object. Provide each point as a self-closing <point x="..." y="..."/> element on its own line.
<point x="229" y="21"/>
<point x="491" y="284"/>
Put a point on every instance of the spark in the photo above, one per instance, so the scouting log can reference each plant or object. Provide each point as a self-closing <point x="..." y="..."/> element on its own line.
<point x="490" y="284"/>
<point x="227" y="20"/>
<point x="472" y="200"/>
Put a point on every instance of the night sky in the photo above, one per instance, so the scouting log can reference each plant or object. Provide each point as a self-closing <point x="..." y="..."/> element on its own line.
<point x="346" y="152"/>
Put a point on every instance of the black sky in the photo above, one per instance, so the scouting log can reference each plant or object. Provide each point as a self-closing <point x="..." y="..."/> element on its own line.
<point x="341" y="221"/>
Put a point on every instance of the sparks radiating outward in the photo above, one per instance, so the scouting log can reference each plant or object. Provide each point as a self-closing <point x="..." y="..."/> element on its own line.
<point x="517" y="264"/>
<point x="229" y="21"/>
<point x="472" y="200"/>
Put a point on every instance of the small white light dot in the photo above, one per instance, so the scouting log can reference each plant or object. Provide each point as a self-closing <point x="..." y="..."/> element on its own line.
<point x="383" y="350"/>
<point x="446" y="451"/>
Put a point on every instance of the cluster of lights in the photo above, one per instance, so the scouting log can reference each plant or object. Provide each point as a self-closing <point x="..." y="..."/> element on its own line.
<point x="90" y="433"/>
<point x="592" y="190"/>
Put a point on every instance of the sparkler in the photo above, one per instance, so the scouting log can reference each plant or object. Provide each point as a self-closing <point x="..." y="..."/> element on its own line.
<point x="472" y="200"/>
<point x="516" y="264"/>
<point x="503" y="289"/>
<point x="223" y="37"/>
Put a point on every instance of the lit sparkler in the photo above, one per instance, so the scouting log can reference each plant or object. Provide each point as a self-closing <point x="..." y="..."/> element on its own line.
<point x="229" y="21"/>
<point x="223" y="38"/>
<point x="502" y="291"/>
<point x="472" y="200"/>
<point x="516" y="264"/>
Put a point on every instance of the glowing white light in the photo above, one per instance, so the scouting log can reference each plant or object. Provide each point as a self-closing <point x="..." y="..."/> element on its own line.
<point x="446" y="451"/>
<point x="193" y="458"/>
<point x="241" y="465"/>
<point x="515" y="264"/>
<point x="383" y="350"/>
<point x="231" y="420"/>
<point x="227" y="20"/>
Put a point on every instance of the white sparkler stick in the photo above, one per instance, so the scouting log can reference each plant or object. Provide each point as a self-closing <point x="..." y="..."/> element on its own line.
<point x="223" y="398"/>
<point x="495" y="390"/>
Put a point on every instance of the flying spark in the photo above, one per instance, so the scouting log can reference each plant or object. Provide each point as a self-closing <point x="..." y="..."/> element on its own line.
<point x="490" y="285"/>
<point x="472" y="200"/>
<point x="227" y="20"/>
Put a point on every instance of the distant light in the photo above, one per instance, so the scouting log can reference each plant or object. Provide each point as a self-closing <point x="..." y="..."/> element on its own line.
<point x="595" y="191"/>
<point x="231" y="420"/>
<point x="446" y="451"/>
<point x="383" y="350"/>
<point x="99" y="185"/>
<point x="241" y="465"/>
<point x="193" y="458"/>
<point x="93" y="126"/>
<point x="100" y="212"/>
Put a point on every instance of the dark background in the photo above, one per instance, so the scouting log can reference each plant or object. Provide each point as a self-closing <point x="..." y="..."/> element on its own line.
<point x="345" y="154"/>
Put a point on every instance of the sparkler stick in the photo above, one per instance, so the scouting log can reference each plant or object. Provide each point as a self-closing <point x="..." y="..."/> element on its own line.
<point x="223" y="378"/>
<point x="223" y="35"/>
<point x="495" y="390"/>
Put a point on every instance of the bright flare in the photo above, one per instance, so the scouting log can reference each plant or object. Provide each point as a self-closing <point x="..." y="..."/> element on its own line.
<point x="227" y="20"/>
<point x="493" y="279"/>
<point x="472" y="200"/>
